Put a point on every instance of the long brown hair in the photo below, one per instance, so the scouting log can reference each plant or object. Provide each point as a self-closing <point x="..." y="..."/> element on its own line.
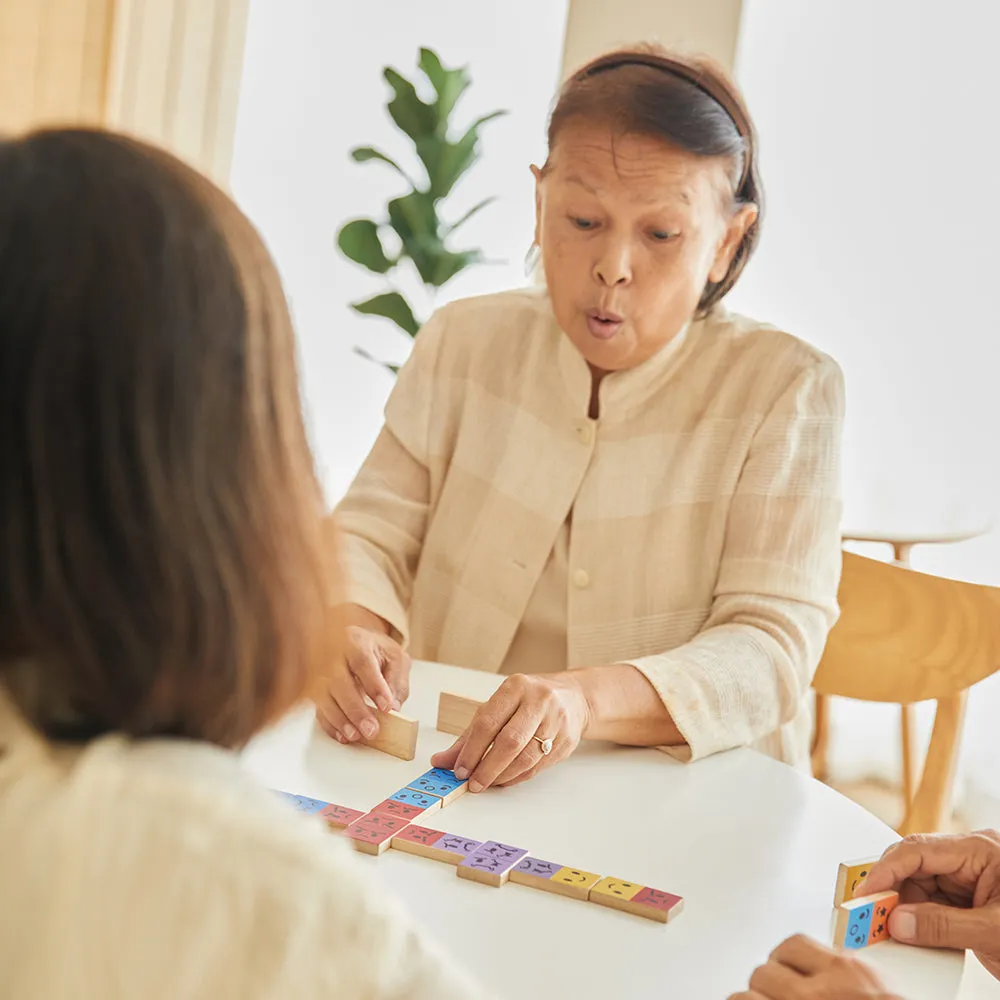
<point x="687" y="101"/>
<point x="163" y="568"/>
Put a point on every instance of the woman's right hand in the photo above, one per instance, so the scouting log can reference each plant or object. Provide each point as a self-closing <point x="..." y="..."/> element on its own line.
<point x="949" y="893"/>
<point x="374" y="665"/>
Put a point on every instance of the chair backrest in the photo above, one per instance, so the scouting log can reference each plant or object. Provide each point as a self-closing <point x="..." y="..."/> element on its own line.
<point x="906" y="637"/>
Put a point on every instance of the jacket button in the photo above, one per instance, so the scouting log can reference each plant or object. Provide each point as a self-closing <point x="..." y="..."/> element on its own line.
<point x="581" y="579"/>
<point x="585" y="432"/>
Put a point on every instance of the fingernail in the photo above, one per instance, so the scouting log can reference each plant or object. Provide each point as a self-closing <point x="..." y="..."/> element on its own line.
<point x="903" y="925"/>
<point x="396" y="704"/>
<point x="462" y="773"/>
<point x="383" y="704"/>
<point x="474" y="786"/>
<point x="339" y="738"/>
<point x="859" y="889"/>
<point x="350" y="732"/>
<point x="369" y="728"/>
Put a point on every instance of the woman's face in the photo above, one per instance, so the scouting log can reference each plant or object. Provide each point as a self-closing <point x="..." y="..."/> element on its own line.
<point x="631" y="230"/>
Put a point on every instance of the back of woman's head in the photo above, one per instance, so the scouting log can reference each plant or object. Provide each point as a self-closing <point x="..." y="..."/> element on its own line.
<point x="162" y="569"/>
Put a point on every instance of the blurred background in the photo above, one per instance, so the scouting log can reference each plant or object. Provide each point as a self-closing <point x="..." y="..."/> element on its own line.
<point x="877" y="122"/>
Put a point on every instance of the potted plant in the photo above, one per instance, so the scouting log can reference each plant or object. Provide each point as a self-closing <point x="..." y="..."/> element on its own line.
<point x="424" y="239"/>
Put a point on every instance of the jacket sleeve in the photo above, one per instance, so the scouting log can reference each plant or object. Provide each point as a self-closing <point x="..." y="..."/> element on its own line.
<point x="746" y="673"/>
<point x="383" y="517"/>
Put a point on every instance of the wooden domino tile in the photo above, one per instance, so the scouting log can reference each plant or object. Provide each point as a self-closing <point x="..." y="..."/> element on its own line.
<point x="392" y="807"/>
<point x="641" y="900"/>
<point x="339" y="817"/>
<point x="849" y="875"/>
<point x="863" y="921"/>
<point x="434" y="844"/>
<point x="304" y="804"/>
<point x="421" y="800"/>
<point x="441" y="783"/>
<point x="490" y="863"/>
<point x="374" y="831"/>
<point x="397" y="735"/>
<point x="552" y="877"/>
<point x="455" y="713"/>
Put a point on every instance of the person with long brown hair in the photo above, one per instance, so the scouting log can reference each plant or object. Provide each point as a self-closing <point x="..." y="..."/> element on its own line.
<point x="611" y="488"/>
<point x="165" y="584"/>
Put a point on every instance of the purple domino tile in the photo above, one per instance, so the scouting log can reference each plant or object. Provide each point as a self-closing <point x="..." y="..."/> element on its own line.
<point x="494" y="857"/>
<point x="537" y="867"/>
<point x="462" y="846"/>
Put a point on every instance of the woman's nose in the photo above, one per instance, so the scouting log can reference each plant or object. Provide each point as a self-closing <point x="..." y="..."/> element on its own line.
<point x="613" y="266"/>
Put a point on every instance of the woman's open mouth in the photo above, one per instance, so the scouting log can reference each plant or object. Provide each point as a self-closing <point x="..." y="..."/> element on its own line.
<point x="603" y="325"/>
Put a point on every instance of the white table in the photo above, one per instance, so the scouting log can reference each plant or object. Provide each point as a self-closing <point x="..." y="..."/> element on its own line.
<point x="752" y="846"/>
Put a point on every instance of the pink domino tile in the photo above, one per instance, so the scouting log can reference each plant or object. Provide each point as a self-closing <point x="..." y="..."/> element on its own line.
<point x="339" y="817"/>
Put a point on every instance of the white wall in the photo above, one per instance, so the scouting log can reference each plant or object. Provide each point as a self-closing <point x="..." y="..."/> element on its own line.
<point x="312" y="89"/>
<point x="880" y="145"/>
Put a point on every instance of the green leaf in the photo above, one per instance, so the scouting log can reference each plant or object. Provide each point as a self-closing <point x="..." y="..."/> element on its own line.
<point x="368" y="357"/>
<point x="468" y="215"/>
<point x="359" y="240"/>
<point x="416" y="223"/>
<point x="364" y="154"/>
<point x="411" y="114"/>
<point x="392" y="306"/>
<point x="448" y="264"/>
<point x="447" y="161"/>
<point x="449" y="84"/>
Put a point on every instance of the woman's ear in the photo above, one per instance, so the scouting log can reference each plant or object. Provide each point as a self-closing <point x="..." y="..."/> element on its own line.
<point x="731" y="240"/>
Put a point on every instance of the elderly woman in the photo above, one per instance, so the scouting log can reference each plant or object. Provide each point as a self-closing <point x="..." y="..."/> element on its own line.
<point x="612" y="489"/>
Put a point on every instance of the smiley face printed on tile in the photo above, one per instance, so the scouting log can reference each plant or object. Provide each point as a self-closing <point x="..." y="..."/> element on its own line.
<point x="616" y="888"/>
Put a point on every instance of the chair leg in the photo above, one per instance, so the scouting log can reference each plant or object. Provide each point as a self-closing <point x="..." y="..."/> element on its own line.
<point x="907" y="720"/>
<point x="928" y="811"/>
<point x="821" y="738"/>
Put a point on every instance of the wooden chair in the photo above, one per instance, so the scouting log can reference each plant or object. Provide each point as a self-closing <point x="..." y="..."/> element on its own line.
<point x="905" y="637"/>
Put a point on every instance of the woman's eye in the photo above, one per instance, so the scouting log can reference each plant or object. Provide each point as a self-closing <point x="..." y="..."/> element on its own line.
<point x="661" y="235"/>
<point x="584" y="224"/>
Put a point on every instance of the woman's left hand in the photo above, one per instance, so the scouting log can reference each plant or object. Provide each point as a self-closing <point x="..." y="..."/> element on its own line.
<point x="801" y="967"/>
<point x="503" y="744"/>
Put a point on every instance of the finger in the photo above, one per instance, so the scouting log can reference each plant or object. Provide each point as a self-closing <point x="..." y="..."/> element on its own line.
<point x="802" y="954"/>
<point x="358" y="712"/>
<point x="507" y="744"/>
<point x="365" y="662"/>
<point x="776" y="980"/>
<point x="931" y="925"/>
<point x="529" y="759"/>
<point x="333" y="719"/>
<point x="920" y="856"/>
<point x="396" y="671"/>
<point x="486" y="725"/>
<point x="330" y="729"/>
<point x="446" y="758"/>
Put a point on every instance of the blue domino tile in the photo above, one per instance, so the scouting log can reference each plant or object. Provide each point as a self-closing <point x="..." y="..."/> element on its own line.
<point x="303" y="803"/>
<point x="412" y="797"/>
<point x="858" y="927"/>
<point x="437" y="781"/>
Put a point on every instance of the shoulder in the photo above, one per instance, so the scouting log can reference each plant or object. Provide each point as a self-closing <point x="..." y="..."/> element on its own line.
<point x="194" y="805"/>
<point x="772" y="362"/>
<point x="483" y="329"/>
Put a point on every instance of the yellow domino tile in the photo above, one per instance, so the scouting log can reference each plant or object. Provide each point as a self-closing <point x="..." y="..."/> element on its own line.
<point x="848" y="877"/>
<point x="574" y="882"/>
<point x="608" y="889"/>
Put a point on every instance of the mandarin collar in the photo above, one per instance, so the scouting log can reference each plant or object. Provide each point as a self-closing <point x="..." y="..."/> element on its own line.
<point x="621" y="393"/>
